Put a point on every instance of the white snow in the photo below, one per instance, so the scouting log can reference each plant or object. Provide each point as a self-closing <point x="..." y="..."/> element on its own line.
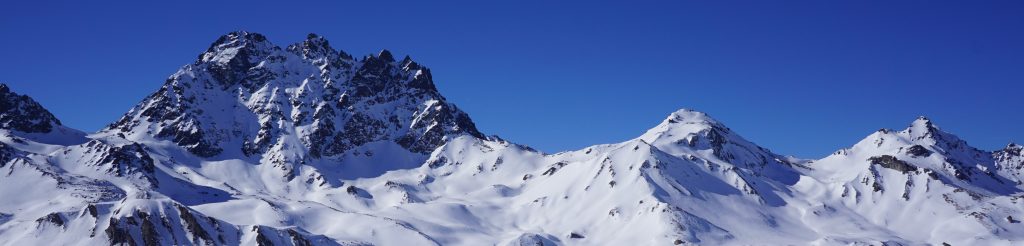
<point x="688" y="180"/>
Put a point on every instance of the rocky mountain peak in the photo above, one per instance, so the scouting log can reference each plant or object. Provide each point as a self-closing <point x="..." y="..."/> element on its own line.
<point x="332" y="103"/>
<point x="690" y="133"/>
<point x="230" y="57"/>
<point x="22" y="113"/>
<point x="923" y="148"/>
<point x="690" y="116"/>
<point x="683" y="123"/>
<point x="922" y="127"/>
<point x="248" y="47"/>
<point x="317" y="47"/>
<point x="385" y="56"/>
<point x="1010" y="161"/>
<point x="920" y="139"/>
<point x="924" y="131"/>
<point x="1011" y="150"/>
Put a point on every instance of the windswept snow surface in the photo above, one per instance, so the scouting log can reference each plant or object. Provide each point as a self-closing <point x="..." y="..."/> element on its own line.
<point x="254" y="144"/>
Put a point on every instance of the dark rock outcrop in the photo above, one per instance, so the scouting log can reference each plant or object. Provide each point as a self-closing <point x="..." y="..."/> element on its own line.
<point x="118" y="234"/>
<point x="192" y="225"/>
<point x="918" y="151"/>
<point x="52" y="218"/>
<point x="21" y="113"/>
<point x="891" y="162"/>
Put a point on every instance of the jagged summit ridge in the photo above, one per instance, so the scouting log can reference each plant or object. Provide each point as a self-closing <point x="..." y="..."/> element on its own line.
<point x="316" y="47"/>
<point x="244" y="93"/>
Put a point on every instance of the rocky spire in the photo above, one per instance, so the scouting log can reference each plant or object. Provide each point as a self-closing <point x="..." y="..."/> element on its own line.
<point x="385" y="56"/>
<point x="316" y="47"/>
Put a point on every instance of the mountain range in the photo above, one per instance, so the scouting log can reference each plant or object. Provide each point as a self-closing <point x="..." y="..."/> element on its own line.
<point x="257" y="144"/>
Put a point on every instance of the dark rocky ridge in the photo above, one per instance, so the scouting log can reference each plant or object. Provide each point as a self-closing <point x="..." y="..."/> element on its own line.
<point x="21" y="113"/>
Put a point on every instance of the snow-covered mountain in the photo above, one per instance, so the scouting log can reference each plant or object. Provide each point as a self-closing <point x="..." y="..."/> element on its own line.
<point x="256" y="144"/>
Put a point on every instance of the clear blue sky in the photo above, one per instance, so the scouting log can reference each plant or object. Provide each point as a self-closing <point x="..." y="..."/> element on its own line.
<point x="802" y="78"/>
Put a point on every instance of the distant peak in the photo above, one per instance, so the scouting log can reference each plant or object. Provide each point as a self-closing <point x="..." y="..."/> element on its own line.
<point x="689" y="116"/>
<point x="338" y="98"/>
<point x="6" y="91"/>
<point x="681" y="123"/>
<point x="687" y="111"/>
<point x="314" y="38"/>
<point x="923" y="121"/>
<point x="249" y="46"/>
<point x="925" y="129"/>
<point x="408" y="64"/>
<point x="316" y="47"/>
<point x="21" y="113"/>
<point x="239" y="37"/>
<point x="385" y="55"/>
<point x="248" y="35"/>
<point x="922" y="126"/>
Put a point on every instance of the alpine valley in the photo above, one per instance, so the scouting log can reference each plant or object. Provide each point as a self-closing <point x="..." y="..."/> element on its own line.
<point x="257" y="144"/>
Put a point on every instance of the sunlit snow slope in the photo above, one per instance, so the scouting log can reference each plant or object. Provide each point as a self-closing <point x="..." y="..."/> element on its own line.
<point x="255" y="144"/>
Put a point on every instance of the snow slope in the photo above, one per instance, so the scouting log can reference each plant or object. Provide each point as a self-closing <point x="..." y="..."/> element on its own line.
<point x="255" y="144"/>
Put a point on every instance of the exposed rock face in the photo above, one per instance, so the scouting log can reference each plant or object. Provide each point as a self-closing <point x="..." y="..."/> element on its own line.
<point x="918" y="151"/>
<point x="1010" y="162"/>
<point x="243" y="94"/>
<point x="890" y="162"/>
<point x="192" y="224"/>
<point x="21" y="113"/>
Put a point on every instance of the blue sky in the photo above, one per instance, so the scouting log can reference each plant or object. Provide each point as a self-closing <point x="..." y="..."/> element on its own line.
<point x="801" y="78"/>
